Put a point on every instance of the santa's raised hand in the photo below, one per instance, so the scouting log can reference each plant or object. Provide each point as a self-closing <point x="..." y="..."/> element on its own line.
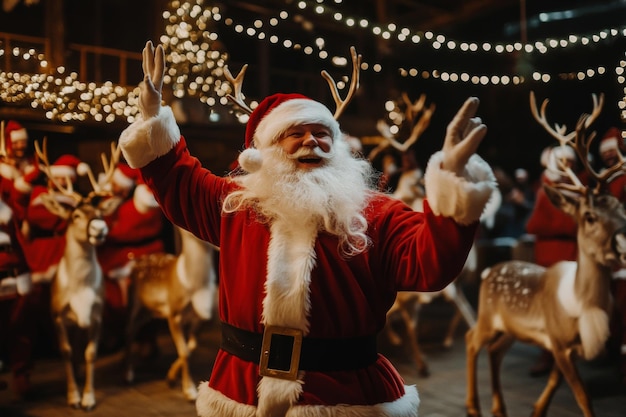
<point x="153" y="64"/>
<point x="463" y="136"/>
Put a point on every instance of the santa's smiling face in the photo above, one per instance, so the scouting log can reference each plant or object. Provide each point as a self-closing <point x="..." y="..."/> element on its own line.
<point x="308" y="145"/>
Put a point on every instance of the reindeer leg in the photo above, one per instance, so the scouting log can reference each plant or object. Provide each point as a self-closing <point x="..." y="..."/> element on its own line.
<point x="565" y="361"/>
<point x="192" y="343"/>
<point x="472" y="348"/>
<point x="554" y="380"/>
<point x="449" y="339"/>
<point x="175" y="324"/>
<point x="410" y="323"/>
<point x="91" y="352"/>
<point x="496" y="350"/>
<point x="135" y="321"/>
<point x="73" y="395"/>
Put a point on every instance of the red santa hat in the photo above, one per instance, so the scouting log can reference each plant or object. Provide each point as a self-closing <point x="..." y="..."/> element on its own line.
<point x="68" y="166"/>
<point x="124" y="176"/>
<point x="611" y="140"/>
<point x="14" y="131"/>
<point x="273" y="116"/>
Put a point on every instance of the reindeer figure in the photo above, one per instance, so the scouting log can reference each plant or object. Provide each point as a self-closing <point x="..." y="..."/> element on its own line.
<point x="77" y="288"/>
<point x="180" y="289"/>
<point x="565" y="308"/>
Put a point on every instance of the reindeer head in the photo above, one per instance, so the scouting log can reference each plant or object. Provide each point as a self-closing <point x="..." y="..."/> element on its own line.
<point x="600" y="216"/>
<point x="84" y="213"/>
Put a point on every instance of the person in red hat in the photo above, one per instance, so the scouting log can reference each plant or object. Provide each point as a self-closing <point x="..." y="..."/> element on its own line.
<point x="18" y="164"/>
<point x="136" y="228"/>
<point x="15" y="283"/>
<point x="311" y="255"/>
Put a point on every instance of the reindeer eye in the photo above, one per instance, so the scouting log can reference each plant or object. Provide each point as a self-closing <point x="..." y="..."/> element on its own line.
<point x="590" y="217"/>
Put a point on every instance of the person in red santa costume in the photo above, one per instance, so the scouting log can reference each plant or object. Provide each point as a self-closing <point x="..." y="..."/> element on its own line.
<point x="311" y="255"/>
<point x="15" y="283"/>
<point x="135" y="228"/>
<point x="17" y="164"/>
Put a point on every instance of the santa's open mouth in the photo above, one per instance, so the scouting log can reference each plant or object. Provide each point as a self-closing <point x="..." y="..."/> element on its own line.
<point x="310" y="160"/>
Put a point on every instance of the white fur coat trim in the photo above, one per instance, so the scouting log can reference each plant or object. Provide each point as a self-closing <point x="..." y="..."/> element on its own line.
<point x="211" y="403"/>
<point x="145" y="140"/>
<point x="290" y="260"/>
<point x="462" y="198"/>
<point x="22" y="186"/>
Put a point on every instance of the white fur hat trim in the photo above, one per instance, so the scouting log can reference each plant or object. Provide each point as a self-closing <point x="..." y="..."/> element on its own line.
<point x="290" y="113"/>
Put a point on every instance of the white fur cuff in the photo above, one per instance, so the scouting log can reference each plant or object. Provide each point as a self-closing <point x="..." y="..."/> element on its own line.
<point x="462" y="198"/>
<point x="145" y="140"/>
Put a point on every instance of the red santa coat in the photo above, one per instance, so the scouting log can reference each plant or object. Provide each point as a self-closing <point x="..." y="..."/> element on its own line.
<point x="14" y="274"/>
<point x="45" y="244"/>
<point x="347" y="299"/>
<point x="131" y="233"/>
<point x="554" y="230"/>
<point x="299" y="279"/>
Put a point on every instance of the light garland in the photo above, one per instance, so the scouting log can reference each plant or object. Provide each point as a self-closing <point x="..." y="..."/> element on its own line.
<point x="620" y="71"/>
<point x="439" y="41"/>
<point x="195" y="70"/>
<point x="255" y="31"/>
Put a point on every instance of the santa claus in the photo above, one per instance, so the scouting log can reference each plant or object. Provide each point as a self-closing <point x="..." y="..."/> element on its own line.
<point x="311" y="256"/>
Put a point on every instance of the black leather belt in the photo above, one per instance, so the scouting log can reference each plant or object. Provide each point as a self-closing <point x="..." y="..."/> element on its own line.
<point x="285" y="351"/>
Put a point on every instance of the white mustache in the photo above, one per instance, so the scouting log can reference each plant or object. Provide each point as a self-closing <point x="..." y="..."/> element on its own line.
<point x="308" y="153"/>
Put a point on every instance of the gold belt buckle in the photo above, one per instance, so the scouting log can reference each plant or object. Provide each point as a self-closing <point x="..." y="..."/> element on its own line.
<point x="264" y="369"/>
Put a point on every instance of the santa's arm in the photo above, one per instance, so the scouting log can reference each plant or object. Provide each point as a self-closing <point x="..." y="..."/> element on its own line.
<point x="458" y="182"/>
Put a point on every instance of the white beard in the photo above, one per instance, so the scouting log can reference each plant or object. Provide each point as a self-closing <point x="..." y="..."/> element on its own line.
<point x="331" y="197"/>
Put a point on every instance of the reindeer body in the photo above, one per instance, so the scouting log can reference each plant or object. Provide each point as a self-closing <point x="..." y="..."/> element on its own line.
<point x="77" y="297"/>
<point x="180" y="289"/>
<point x="77" y="288"/>
<point x="564" y="308"/>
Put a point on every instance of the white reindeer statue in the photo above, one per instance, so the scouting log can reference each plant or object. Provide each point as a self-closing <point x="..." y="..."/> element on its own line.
<point x="564" y="308"/>
<point x="416" y="115"/>
<point x="180" y="289"/>
<point x="77" y="288"/>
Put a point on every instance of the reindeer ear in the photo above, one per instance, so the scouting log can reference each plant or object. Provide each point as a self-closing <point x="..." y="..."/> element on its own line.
<point x="109" y="205"/>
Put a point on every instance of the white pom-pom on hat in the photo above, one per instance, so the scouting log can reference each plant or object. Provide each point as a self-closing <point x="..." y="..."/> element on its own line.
<point x="250" y="160"/>
<point x="82" y="169"/>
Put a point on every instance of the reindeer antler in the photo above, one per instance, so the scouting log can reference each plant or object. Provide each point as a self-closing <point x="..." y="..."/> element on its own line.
<point x="417" y="127"/>
<point x="100" y="187"/>
<point x="237" y="83"/>
<point x="559" y="132"/>
<point x="581" y="143"/>
<point x="67" y="190"/>
<point x="354" y="83"/>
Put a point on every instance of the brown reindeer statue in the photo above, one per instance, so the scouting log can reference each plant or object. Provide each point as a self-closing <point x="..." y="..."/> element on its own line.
<point x="565" y="308"/>
<point x="416" y="117"/>
<point x="181" y="289"/>
<point x="77" y="288"/>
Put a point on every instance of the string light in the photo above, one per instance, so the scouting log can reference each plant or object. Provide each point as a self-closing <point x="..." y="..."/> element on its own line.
<point x="195" y="69"/>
